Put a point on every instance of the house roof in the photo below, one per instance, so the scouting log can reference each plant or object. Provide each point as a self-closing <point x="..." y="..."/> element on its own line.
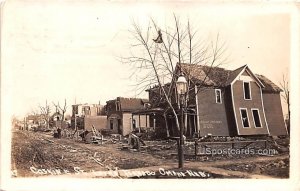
<point x="234" y="73"/>
<point x="131" y="104"/>
<point x="216" y="76"/>
<point x="269" y="85"/>
<point x="205" y="75"/>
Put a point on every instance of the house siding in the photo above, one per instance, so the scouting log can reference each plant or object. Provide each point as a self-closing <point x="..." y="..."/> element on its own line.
<point x="274" y="114"/>
<point x="142" y="121"/>
<point x="126" y="127"/>
<point x="212" y="115"/>
<point x="114" y="119"/>
<point x="230" y="112"/>
<point x="254" y="103"/>
<point x="127" y="122"/>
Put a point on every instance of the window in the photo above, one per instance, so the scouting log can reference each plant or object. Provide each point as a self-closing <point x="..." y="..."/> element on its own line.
<point x="134" y="124"/>
<point x="256" y="117"/>
<point x="218" y="96"/>
<point x="247" y="90"/>
<point x="111" y="124"/>
<point x="245" y="119"/>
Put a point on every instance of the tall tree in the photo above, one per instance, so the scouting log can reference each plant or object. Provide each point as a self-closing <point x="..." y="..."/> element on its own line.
<point x="154" y="59"/>
<point x="45" y="113"/>
<point x="61" y="109"/>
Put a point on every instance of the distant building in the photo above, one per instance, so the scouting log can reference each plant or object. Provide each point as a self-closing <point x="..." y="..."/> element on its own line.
<point x="84" y="116"/>
<point x="120" y="117"/>
<point x="56" y="120"/>
<point x="33" y="121"/>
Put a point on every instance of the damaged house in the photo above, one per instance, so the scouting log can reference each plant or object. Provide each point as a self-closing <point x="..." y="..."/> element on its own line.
<point x="84" y="116"/>
<point x="120" y="119"/>
<point x="220" y="102"/>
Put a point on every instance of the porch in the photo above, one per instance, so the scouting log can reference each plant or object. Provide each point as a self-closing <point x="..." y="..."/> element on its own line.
<point x="164" y="122"/>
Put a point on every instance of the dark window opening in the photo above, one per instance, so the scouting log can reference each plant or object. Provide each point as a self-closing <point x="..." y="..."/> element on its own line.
<point x="218" y="96"/>
<point x="245" y="119"/>
<point x="134" y="124"/>
<point x="111" y="124"/>
<point x="256" y="117"/>
<point x="247" y="91"/>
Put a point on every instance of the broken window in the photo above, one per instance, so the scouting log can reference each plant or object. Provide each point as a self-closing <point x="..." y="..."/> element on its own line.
<point x="247" y="90"/>
<point x="218" y="96"/>
<point x="256" y="117"/>
<point x="244" y="116"/>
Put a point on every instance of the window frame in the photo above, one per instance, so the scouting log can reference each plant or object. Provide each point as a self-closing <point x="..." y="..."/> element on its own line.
<point x="250" y="95"/>
<point x="247" y="117"/>
<point x="218" y="90"/>
<point x="111" y="124"/>
<point x="256" y="109"/>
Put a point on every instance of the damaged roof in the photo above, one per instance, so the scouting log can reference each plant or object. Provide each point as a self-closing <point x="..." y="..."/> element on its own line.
<point x="210" y="76"/>
<point x="269" y="85"/>
<point x="132" y="104"/>
<point x="220" y="77"/>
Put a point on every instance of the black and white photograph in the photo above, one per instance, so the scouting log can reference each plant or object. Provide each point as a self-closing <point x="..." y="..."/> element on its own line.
<point x="133" y="94"/>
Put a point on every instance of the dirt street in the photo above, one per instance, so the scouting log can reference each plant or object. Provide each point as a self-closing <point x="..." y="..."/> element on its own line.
<point x="39" y="154"/>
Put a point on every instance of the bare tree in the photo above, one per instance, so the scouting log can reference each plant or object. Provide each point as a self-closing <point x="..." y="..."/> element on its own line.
<point x="45" y="113"/>
<point x="156" y="59"/>
<point x="284" y="85"/>
<point x="61" y="109"/>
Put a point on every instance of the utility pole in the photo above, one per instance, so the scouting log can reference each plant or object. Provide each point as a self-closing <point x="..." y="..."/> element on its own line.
<point x="181" y="86"/>
<point x="181" y="141"/>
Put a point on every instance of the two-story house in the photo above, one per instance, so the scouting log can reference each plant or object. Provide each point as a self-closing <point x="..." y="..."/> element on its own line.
<point x="227" y="103"/>
<point x="84" y="116"/>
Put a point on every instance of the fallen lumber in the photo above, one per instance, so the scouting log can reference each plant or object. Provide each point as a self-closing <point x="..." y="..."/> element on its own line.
<point x="97" y="161"/>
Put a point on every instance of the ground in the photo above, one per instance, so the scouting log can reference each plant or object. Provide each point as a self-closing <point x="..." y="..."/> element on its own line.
<point x="39" y="154"/>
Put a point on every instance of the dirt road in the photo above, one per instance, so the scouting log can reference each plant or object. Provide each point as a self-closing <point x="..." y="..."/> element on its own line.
<point x="39" y="154"/>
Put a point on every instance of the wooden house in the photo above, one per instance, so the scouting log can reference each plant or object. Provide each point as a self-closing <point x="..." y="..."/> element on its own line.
<point x="84" y="116"/>
<point x="119" y="114"/>
<point x="224" y="102"/>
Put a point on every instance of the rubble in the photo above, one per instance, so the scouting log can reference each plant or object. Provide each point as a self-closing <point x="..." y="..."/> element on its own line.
<point x="41" y="150"/>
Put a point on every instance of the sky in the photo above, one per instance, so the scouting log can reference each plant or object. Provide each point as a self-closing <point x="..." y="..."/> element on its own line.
<point x="56" y="50"/>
